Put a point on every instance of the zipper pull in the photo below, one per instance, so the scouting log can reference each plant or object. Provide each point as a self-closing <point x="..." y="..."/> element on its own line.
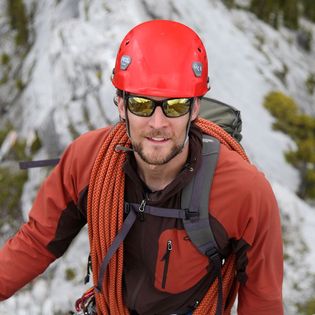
<point x="166" y="259"/>
<point x="169" y="247"/>
<point x="141" y="209"/>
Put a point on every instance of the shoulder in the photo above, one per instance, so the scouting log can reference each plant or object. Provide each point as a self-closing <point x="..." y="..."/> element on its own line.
<point x="233" y="170"/>
<point x="83" y="150"/>
<point x="241" y="196"/>
<point x="78" y="158"/>
<point x="91" y="139"/>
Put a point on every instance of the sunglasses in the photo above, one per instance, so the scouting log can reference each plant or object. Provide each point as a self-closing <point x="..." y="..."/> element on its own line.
<point x="145" y="107"/>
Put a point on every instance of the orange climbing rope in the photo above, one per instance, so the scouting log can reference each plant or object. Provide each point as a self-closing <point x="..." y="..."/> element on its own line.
<point x="105" y="218"/>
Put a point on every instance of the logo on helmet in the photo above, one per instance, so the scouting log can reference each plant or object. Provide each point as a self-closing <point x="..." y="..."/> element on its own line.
<point x="125" y="61"/>
<point x="197" y="68"/>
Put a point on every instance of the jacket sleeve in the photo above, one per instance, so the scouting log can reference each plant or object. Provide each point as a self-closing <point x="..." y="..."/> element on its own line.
<point x="261" y="292"/>
<point x="31" y="250"/>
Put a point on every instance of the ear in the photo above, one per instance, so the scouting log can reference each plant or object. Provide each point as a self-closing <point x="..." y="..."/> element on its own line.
<point x="121" y="107"/>
<point x="195" y="110"/>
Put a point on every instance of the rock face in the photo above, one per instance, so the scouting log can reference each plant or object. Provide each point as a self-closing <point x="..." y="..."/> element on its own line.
<point x="55" y="68"/>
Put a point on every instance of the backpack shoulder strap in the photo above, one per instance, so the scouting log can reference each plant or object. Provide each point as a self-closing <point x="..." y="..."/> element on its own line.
<point x="195" y="198"/>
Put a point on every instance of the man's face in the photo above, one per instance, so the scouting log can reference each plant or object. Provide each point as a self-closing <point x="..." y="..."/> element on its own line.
<point x="157" y="139"/>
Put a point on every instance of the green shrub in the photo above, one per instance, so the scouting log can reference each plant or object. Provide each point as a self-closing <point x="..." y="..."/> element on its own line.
<point x="282" y="74"/>
<point x="310" y="83"/>
<point x="36" y="145"/>
<point x="308" y="308"/>
<point x="301" y="129"/>
<point x="73" y="131"/>
<point x="229" y="3"/>
<point x="18" y="21"/>
<point x="305" y="38"/>
<point x="11" y="187"/>
<point x="70" y="274"/>
<point x="18" y="151"/>
<point x="280" y="105"/>
<point x="290" y="14"/>
<point x="275" y="11"/>
<point x="12" y="181"/>
<point x="5" y="59"/>
<point x="99" y="75"/>
<point x="3" y="134"/>
<point x="266" y="10"/>
<point x="4" y="79"/>
<point x="309" y="9"/>
<point x="20" y="85"/>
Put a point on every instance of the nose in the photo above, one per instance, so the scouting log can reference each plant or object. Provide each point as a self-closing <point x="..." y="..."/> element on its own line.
<point x="158" y="119"/>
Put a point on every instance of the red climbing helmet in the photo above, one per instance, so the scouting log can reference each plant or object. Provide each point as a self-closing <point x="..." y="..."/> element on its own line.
<point x="162" y="58"/>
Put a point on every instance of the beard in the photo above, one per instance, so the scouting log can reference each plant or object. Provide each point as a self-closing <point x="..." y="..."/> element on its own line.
<point x="155" y="158"/>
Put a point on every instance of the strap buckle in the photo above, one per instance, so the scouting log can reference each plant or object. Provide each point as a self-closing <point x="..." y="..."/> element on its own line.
<point x="127" y="208"/>
<point x="213" y="254"/>
<point x="191" y="214"/>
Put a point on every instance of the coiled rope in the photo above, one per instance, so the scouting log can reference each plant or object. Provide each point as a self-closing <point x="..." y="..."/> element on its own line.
<point x="105" y="218"/>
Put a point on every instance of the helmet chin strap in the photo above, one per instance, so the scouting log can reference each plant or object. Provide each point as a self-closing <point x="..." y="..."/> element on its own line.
<point x="126" y="116"/>
<point x="187" y="128"/>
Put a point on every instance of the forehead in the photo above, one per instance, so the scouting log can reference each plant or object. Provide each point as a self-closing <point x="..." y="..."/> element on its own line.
<point x="155" y="98"/>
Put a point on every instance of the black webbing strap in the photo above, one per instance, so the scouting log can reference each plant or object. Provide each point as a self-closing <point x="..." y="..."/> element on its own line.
<point x="156" y="211"/>
<point x="128" y="223"/>
<point x="39" y="163"/>
<point x="195" y="197"/>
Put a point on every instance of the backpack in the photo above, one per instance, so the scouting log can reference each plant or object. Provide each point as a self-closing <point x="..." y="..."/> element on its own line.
<point x="224" y="115"/>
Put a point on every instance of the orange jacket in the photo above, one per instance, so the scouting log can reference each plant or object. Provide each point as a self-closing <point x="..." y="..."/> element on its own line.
<point x="241" y="201"/>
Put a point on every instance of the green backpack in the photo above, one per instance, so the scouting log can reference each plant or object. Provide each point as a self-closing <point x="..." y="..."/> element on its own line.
<point x="226" y="116"/>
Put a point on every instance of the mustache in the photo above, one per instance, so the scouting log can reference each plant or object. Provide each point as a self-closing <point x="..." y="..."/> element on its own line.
<point x="157" y="133"/>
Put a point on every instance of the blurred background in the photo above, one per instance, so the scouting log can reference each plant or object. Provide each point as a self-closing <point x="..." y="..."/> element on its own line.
<point x="56" y="58"/>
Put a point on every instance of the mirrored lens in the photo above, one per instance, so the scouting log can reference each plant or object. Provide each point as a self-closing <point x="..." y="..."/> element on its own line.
<point x="140" y="106"/>
<point x="177" y="107"/>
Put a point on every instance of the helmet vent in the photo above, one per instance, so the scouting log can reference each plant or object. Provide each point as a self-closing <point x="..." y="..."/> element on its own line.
<point x="127" y="42"/>
<point x="199" y="49"/>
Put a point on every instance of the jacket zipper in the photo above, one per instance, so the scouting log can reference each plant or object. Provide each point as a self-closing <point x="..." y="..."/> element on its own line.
<point x="166" y="259"/>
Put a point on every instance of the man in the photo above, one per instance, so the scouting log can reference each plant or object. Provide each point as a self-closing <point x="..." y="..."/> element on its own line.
<point x="160" y="74"/>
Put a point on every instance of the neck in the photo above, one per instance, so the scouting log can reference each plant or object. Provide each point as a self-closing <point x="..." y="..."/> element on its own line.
<point x="157" y="177"/>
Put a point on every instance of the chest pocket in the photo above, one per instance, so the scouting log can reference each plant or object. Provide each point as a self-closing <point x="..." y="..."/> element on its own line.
<point x="179" y="264"/>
